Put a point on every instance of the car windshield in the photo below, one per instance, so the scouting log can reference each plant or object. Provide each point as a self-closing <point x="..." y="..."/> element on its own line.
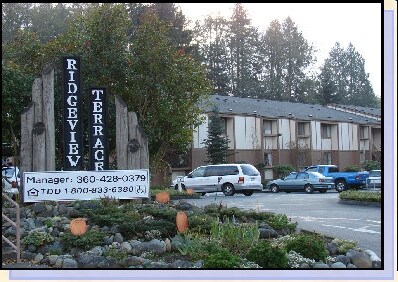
<point x="374" y="173"/>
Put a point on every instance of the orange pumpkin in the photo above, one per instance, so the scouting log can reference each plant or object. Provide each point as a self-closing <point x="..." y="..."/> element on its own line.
<point x="78" y="226"/>
<point x="162" y="197"/>
<point x="190" y="191"/>
<point x="181" y="221"/>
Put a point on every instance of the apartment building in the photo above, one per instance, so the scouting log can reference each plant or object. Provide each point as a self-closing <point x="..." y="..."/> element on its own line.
<point x="273" y="132"/>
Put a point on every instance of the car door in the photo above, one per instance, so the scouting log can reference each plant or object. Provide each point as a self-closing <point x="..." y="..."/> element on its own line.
<point x="196" y="179"/>
<point x="301" y="180"/>
<point x="212" y="178"/>
<point x="287" y="182"/>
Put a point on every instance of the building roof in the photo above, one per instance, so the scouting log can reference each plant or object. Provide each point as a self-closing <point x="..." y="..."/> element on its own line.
<point x="280" y="109"/>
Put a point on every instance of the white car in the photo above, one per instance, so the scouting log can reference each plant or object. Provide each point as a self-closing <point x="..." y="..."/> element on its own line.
<point x="374" y="179"/>
<point x="226" y="178"/>
<point x="10" y="179"/>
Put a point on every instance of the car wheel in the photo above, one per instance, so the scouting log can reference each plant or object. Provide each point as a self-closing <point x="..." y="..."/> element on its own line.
<point x="341" y="185"/>
<point x="274" y="188"/>
<point x="228" y="189"/>
<point x="323" y="190"/>
<point x="248" y="193"/>
<point x="182" y="187"/>
<point x="309" y="189"/>
<point x="203" y="193"/>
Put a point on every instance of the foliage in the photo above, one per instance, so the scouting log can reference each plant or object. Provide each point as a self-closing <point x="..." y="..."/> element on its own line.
<point x="193" y="245"/>
<point x="370" y="165"/>
<point x="295" y="260"/>
<point x="344" y="245"/>
<point x="360" y="196"/>
<point x="351" y="168"/>
<point x="222" y="259"/>
<point x="165" y="87"/>
<point x="311" y="246"/>
<point x="344" y="79"/>
<point x="86" y="241"/>
<point x="116" y="253"/>
<point x="281" y="221"/>
<point x="267" y="256"/>
<point x="235" y="237"/>
<point x="37" y="238"/>
<point x="200" y="223"/>
<point x="138" y="228"/>
<point x="216" y="143"/>
<point x="282" y="170"/>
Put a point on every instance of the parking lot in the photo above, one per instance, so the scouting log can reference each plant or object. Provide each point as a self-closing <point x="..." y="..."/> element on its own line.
<point x="319" y="212"/>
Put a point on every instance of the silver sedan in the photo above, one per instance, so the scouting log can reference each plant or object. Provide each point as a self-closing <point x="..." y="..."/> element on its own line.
<point x="301" y="181"/>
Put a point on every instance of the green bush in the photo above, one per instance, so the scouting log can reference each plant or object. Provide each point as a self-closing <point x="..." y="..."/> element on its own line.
<point x="282" y="170"/>
<point x="281" y="221"/>
<point x="268" y="256"/>
<point x="116" y="253"/>
<point x="222" y="259"/>
<point x="351" y="168"/>
<point x="362" y="196"/>
<point x="310" y="246"/>
<point x="37" y="238"/>
<point x="131" y="229"/>
<point x="86" y="241"/>
<point x="235" y="237"/>
<point x="370" y="165"/>
<point x="344" y="245"/>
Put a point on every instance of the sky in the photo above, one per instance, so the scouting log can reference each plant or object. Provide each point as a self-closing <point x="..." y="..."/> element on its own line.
<point x="322" y="25"/>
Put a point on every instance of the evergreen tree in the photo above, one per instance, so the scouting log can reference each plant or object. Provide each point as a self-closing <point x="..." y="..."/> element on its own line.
<point x="217" y="142"/>
<point x="346" y="70"/>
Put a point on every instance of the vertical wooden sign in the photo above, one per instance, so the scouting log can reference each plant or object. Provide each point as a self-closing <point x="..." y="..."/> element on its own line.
<point x="98" y="133"/>
<point x="72" y="117"/>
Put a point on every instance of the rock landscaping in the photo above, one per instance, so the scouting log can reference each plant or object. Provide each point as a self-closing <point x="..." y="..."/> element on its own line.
<point x="134" y="235"/>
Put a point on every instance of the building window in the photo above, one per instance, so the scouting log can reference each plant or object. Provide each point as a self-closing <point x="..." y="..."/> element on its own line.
<point x="327" y="158"/>
<point x="267" y="127"/>
<point x="325" y="131"/>
<point x="300" y="128"/>
<point x="363" y="132"/>
<point x="268" y="159"/>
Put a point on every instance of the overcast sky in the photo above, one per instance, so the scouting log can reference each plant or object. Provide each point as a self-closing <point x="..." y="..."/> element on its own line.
<point x="322" y="25"/>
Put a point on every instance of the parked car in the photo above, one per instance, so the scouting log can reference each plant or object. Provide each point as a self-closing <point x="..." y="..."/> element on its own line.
<point x="343" y="180"/>
<point x="226" y="178"/>
<point x="301" y="181"/>
<point x="374" y="179"/>
<point x="10" y="179"/>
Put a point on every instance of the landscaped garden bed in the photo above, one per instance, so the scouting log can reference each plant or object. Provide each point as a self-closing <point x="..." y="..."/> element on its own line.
<point x="121" y="234"/>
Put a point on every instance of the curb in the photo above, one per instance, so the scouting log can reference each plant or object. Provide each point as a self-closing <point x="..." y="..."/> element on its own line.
<point x="359" y="203"/>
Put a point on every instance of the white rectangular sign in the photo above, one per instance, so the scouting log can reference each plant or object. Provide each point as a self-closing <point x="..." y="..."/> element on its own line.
<point x="85" y="185"/>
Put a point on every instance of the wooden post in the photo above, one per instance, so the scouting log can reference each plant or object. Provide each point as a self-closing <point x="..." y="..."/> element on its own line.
<point x="131" y="141"/>
<point x="48" y="117"/>
<point x="27" y="122"/>
<point x="121" y="133"/>
<point x="39" y="131"/>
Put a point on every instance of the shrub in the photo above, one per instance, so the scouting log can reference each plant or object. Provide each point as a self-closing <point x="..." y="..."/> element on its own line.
<point x="86" y="241"/>
<point x="267" y="256"/>
<point x="281" y="221"/>
<point x="360" y="196"/>
<point x="200" y="223"/>
<point x="222" y="259"/>
<point x="351" y="168"/>
<point x="344" y="245"/>
<point x="116" y="253"/>
<point x="235" y="237"/>
<point x="370" y="165"/>
<point x="37" y="238"/>
<point x="310" y="246"/>
<point x="282" y="170"/>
